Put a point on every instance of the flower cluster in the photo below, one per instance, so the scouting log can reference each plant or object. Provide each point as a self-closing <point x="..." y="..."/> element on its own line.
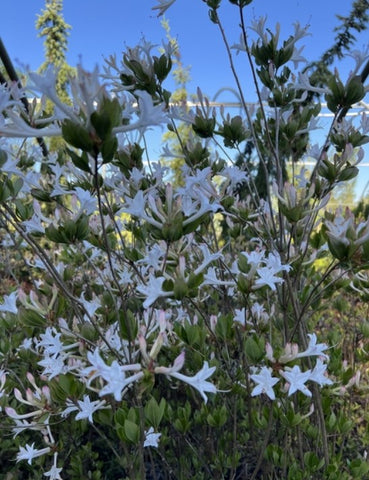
<point x="295" y="378"/>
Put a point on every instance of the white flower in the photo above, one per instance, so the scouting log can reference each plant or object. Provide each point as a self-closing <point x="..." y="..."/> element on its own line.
<point x="235" y="175"/>
<point x="265" y="383"/>
<point x="54" y="471"/>
<point x="90" y="306"/>
<point x="259" y="312"/>
<point x="23" y="425"/>
<point x="198" y="381"/>
<point x="205" y="207"/>
<point x="34" y="224"/>
<point x="152" y="290"/>
<point x="98" y="367"/>
<point x="29" y="453"/>
<point x="10" y="303"/>
<point x="50" y="340"/>
<point x="318" y="374"/>
<point x="273" y="261"/>
<point x="304" y="84"/>
<point x="208" y="258"/>
<point x="241" y="46"/>
<point x="210" y="278"/>
<point x="53" y="366"/>
<point x="240" y="316"/>
<point x="26" y="344"/>
<point x="117" y="381"/>
<point x="254" y="258"/>
<point x="296" y="379"/>
<point x="136" y="207"/>
<point x="71" y="407"/>
<point x="149" y="114"/>
<point x="88" y="203"/>
<point x="267" y="278"/>
<point x="163" y="6"/>
<point x="85" y="408"/>
<point x="46" y="84"/>
<point x="313" y="348"/>
<point x="114" y="375"/>
<point x="153" y="258"/>
<point x="151" y="438"/>
<point x="88" y="408"/>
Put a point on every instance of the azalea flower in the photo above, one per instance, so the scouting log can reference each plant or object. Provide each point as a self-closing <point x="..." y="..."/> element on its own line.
<point x="273" y="261"/>
<point x="149" y="114"/>
<point x="240" y="316"/>
<point x="255" y="257"/>
<point x="318" y="374"/>
<point x="314" y="349"/>
<point x="117" y="381"/>
<point x="198" y="381"/>
<point x="10" y="303"/>
<point x="267" y="278"/>
<point x="98" y="367"/>
<point x="153" y="290"/>
<point x="114" y="375"/>
<point x="50" y="341"/>
<point x="208" y="258"/>
<point x="136" y="207"/>
<point x="290" y="353"/>
<point x="235" y="176"/>
<point x="90" y="306"/>
<point x="296" y="379"/>
<point x="210" y="278"/>
<point x="53" y="366"/>
<point x="87" y="408"/>
<point x="29" y="453"/>
<point x="87" y="202"/>
<point x="151" y="438"/>
<point x="54" y="471"/>
<point x="153" y="258"/>
<point x="258" y="312"/>
<point x="163" y="6"/>
<point x="265" y="383"/>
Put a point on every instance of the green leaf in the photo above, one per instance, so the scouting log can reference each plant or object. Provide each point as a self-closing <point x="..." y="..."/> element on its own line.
<point x="109" y="148"/>
<point x="120" y="416"/>
<point x="82" y="228"/>
<point x="77" y="135"/>
<point x="41" y="195"/>
<point x="224" y="327"/>
<point x="66" y="383"/>
<point x="102" y="124"/>
<point x="30" y="318"/>
<point x="132" y="431"/>
<point x="255" y="349"/>
<point x="80" y="162"/>
<point x="128" y="325"/>
<point x="204" y="127"/>
<point x="162" y="67"/>
<point x="218" y="417"/>
<point x="154" y="412"/>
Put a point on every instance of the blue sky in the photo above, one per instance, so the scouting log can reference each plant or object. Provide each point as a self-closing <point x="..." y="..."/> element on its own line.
<point x="100" y="28"/>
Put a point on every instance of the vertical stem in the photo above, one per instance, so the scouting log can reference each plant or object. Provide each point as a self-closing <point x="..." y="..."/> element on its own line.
<point x="108" y="251"/>
<point x="264" y="444"/>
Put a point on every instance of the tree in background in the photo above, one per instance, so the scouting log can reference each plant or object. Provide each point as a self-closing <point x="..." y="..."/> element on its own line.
<point x="356" y="21"/>
<point x="178" y="137"/>
<point x="53" y="28"/>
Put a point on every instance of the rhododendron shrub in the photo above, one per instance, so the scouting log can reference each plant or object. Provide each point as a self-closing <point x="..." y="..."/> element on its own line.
<point x="157" y="330"/>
